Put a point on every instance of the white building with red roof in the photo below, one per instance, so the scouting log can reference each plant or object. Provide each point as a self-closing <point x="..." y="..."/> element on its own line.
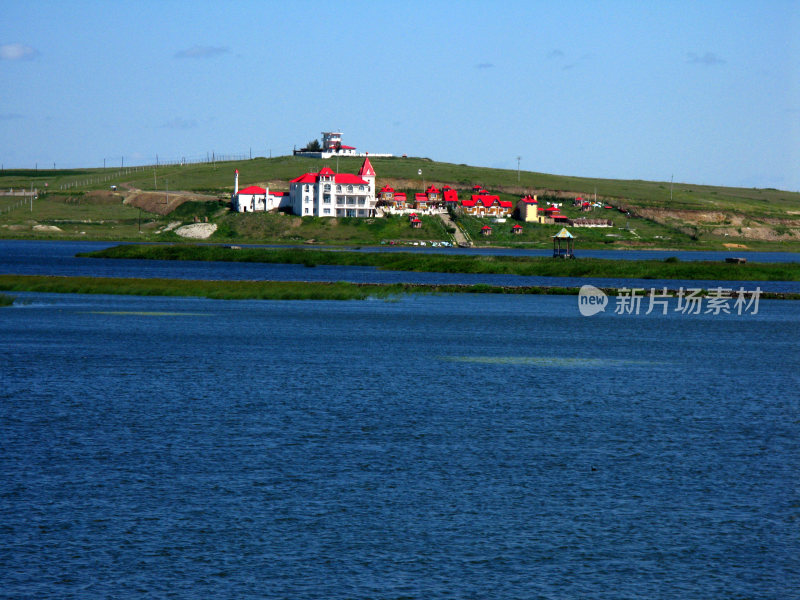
<point x="487" y="205"/>
<point x="255" y="198"/>
<point x="329" y="194"/>
<point x="332" y="146"/>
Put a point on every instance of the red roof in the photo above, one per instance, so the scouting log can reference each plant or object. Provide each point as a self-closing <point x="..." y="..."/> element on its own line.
<point x="413" y="215"/>
<point x="485" y="227"/>
<point x="400" y="196"/>
<point x="551" y="209"/>
<point x="345" y="178"/>
<point x="476" y="187"/>
<point x="252" y="190"/>
<point x="420" y="197"/>
<point x="326" y="172"/>
<point x="450" y="195"/>
<point x="517" y="226"/>
<point x="347" y="147"/>
<point x="432" y="190"/>
<point x="529" y="199"/>
<point x="366" y="169"/>
<point x="487" y="201"/>
<point x="415" y="220"/>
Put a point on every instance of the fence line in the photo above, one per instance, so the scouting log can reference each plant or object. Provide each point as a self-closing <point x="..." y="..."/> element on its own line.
<point x="209" y="158"/>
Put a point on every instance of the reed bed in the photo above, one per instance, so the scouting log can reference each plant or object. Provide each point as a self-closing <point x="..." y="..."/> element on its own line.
<point x="670" y="268"/>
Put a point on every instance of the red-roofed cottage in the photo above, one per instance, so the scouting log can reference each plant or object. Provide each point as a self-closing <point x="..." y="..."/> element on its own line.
<point x="450" y="196"/>
<point x="487" y="205"/>
<point x="257" y="199"/>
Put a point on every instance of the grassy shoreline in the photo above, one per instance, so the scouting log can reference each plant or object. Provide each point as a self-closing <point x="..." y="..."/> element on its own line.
<point x="277" y="290"/>
<point x="456" y="263"/>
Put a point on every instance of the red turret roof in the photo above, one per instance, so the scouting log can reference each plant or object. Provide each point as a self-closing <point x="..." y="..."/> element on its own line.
<point x="366" y="169"/>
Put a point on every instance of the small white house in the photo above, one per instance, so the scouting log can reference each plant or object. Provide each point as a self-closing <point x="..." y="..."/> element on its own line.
<point x="257" y="199"/>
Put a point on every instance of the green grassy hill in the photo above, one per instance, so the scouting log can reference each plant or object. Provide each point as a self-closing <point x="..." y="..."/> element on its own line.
<point x="80" y="204"/>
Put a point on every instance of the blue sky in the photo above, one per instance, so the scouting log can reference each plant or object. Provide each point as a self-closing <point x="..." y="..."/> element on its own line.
<point x="707" y="92"/>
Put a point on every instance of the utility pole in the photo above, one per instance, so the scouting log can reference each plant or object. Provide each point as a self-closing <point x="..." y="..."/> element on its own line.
<point x="518" y="159"/>
<point x="670" y="188"/>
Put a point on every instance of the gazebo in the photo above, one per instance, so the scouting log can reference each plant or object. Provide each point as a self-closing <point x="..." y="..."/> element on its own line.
<point x="569" y="244"/>
<point x="416" y="223"/>
<point x="517" y="229"/>
<point x="486" y="230"/>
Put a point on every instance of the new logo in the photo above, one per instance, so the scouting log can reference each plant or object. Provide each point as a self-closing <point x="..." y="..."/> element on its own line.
<point x="591" y="300"/>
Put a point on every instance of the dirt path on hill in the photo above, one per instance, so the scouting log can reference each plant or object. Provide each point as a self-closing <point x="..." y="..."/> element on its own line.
<point x="458" y="235"/>
<point x="162" y="203"/>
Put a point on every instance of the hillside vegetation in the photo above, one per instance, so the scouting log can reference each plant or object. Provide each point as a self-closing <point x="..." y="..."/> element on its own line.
<point x="149" y="203"/>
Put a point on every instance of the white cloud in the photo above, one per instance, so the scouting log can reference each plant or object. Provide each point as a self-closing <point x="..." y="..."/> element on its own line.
<point x="709" y="58"/>
<point x="17" y="52"/>
<point x="202" y="52"/>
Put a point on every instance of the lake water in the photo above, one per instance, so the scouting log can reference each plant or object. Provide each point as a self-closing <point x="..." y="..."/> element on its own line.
<point x="25" y="257"/>
<point x="425" y="447"/>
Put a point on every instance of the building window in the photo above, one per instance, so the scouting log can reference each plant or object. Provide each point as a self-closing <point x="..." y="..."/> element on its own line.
<point x="338" y="188"/>
<point x="361" y="188"/>
<point x="327" y="211"/>
<point x="349" y="188"/>
<point x="327" y="187"/>
<point x="326" y="198"/>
